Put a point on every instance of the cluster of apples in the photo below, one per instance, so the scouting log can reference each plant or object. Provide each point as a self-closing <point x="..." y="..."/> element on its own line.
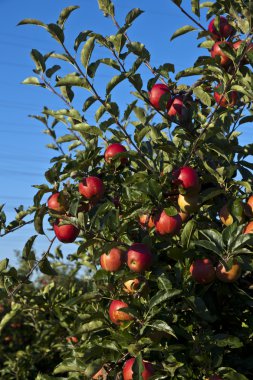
<point x="92" y="190"/>
<point x="221" y="32"/>
<point x="187" y="179"/>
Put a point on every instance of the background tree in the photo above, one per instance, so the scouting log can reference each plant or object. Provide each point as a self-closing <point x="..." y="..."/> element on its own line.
<point x="158" y="199"/>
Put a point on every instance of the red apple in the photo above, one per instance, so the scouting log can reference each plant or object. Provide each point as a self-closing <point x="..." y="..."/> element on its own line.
<point x="202" y="271"/>
<point x="146" y="220"/>
<point x="187" y="177"/>
<point x="114" y="149"/>
<point x="132" y="286"/>
<point x="249" y="228"/>
<point x="236" y="46"/>
<point x="112" y="261"/>
<point x="56" y="204"/>
<point x="66" y="233"/>
<point x="230" y="275"/>
<point x="72" y="339"/>
<point x="248" y="209"/>
<point x="175" y="106"/>
<point x="226" y="100"/>
<point x="101" y="374"/>
<point x="224" y="30"/>
<point x="92" y="188"/>
<point x="128" y="372"/>
<point x="139" y="257"/>
<point x="157" y="91"/>
<point x="116" y="315"/>
<point x="217" y="52"/>
<point x="165" y="224"/>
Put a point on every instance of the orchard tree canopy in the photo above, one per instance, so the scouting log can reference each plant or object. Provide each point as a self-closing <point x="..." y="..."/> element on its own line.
<point x="156" y="196"/>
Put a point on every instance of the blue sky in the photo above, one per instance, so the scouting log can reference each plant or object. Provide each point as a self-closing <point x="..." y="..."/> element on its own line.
<point x="23" y="155"/>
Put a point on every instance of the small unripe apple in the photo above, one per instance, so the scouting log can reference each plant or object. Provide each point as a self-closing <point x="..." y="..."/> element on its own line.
<point x="202" y="271"/>
<point x="155" y="94"/>
<point x="66" y="233"/>
<point x="112" y="261"/>
<point x="248" y="209"/>
<point x="146" y="220"/>
<point x="114" y="149"/>
<point x="225" y="216"/>
<point x="226" y="100"/>
<point x="91" y="188"/>
<point x="217" y="52"/>
<point x="139" y="257"/>
<point x="249" y="228"/>
<point x="230" y="275"/>
<point x="224" y="30"/>
<point x="187" y="177"/>
<point x="56" y="204"/>
<point x="175" y="106"/>
<point x="128" y="372"/>
<point x="165" y="224"/>
<point x="116" y="315"/>
<point x="188" y="203"/>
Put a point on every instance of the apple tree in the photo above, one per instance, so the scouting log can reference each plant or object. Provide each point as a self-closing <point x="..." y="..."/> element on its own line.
<point x="157" y="198"/>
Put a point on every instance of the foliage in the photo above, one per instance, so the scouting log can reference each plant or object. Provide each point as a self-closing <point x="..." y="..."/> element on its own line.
<point x="187" y="330"/>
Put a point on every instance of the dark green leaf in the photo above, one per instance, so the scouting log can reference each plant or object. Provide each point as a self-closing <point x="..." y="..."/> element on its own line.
<point x="27" y="253"/>
<point x="38" y="219"/>
<point x="65" y="14"/>
<point x="185" y="29"/>
<point x="46" y="268"/>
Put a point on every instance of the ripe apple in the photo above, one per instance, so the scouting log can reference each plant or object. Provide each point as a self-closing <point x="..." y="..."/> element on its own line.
<point x="132" y="286"/>
<point x="128" y="372"/>
<point x="72" y="339"/>
<point x="236" y="46"/>
<point x="92" y="188"/>
<point x="249" y="228"/>
<point x="226" y="100"/>
<point x="157" y="91"/>
<point x="224" y="30"/>
<point x="139" y="257"/>
<point x="225" y="216"/>
<point x="230" y="275"/>
<point x="114" y="149"/>
<point x="101" y="374"/>
<point x="188" y="203"/>
<point x="217" y="52"/>
<point x="165" y="224"/>
<point x="66" y="233"/>
<point x="202" y="271"/>
<point x="112" y="261"/>
<point x="175" y="106"/>
<point x="187" y="177"/>
<point x="116" y="315"/>
<point x="56" y="204"/>
<point x="146" y="220"/>
<point x="248" y="209"/>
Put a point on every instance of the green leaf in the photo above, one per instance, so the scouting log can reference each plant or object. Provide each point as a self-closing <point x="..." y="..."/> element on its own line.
<point x="38" y="219"/>
<point x="163" y="296"/>
<point x="73" y="80"/>
<point x="195" y="7"/>
<point x="52" y="70"/>
<point x="162" y="326"/>
<point x="87" y="50"/>
<point x="209" y="246"/>
<point x="201" y="309"/>
<point x="171" y="211"/>
<point x="94" y="325"/>
<point x="114" y="81"/>
<point x="138" y="367"/>
<point x="32" y="21"/>
<point x="185" y="29"/>
<point x="27" y="253"/>
<point x="92" y="68"/>
<point x="66" y="138"/>
<point x="187" y="233"/>
<point x="3" y="264"/>
<point x="38" y="60"/>
<point x="189" y="72"/>
<point x="139" y="49"/>
<point x="177" y="2"/>
<point x="45" y="267"/>
<point x="70" y="365"/>
<point x="86" y="128"/>
<point x="106" y="7"/>
<point x="132" y="15"/>
<point x="82" y="36"/>
<point x="65" y="14"/>
<point x="33" y="80"/>
<point x="56" y="32"/>
<point x="202" y="96"/>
